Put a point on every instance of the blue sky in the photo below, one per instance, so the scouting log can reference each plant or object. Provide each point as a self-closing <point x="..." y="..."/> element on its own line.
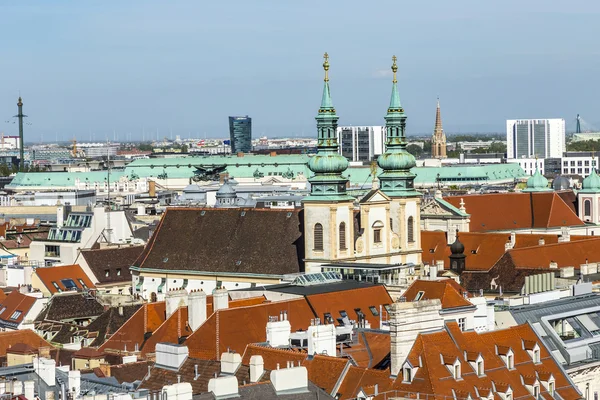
<point x="184" y="66"/>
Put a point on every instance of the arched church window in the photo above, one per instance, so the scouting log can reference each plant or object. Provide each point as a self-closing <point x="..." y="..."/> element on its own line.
<point x="410" y="228"/>
<point x="318" y="237"/>
<point x="587" y="208"/>
<point x="342" y="233"/>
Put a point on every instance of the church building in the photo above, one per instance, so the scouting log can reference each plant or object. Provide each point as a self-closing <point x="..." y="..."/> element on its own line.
<point x="438" y="140"/>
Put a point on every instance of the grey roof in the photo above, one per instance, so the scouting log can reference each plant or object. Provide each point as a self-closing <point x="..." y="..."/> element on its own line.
<point x="310" y="290"/>
<point x="561" y="183"/>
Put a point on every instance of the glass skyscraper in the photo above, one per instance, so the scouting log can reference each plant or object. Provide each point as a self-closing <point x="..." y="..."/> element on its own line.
<point x="240" y="132"/>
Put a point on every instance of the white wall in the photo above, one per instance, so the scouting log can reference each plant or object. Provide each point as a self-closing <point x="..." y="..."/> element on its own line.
<point x="555" y="137"/>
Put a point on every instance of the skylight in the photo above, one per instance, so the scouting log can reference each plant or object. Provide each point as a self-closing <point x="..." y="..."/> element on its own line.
<point x="317" y="278"/>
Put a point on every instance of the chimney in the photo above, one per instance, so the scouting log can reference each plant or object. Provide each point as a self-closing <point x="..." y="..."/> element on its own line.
<point x="565" y="234"/>
<point x="45" y="369"/>
<point x="105" y="368"/>
<point x="273" y="153"/>
<point x="240" y="154"/>
<point x="224" y="387"/>
<point x="196" y="309"/>
<point x="60" y="215"/>
<point x="177" y="391"/>
<point x="321" y="339"/>
<point x="29" y="389"/>
<point x="541" y="242"/>
<point x="220" y="299"/>
<point x="433" y="271"/>
<point x="152" y="188"/>
<point x="120" y="310"/>
<point x="257" y="368"/>
<point x="407" y="320"/>
<point x="288" y="380"/>
<point x="230" y="362"/>
<point x="175" y="299"/>
<point x="17" y="387"/>
<point x="75" y="383"/>
<point x="553" y="265"/>
<point x="171" y="355"/>
<point x="278" y="331"/>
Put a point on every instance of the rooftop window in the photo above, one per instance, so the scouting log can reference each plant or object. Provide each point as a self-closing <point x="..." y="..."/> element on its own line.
<point x="69" y="284"/>
<point x="16" y="315"/>
<point x="419" y="296"/>
<point x="374" y="311"/>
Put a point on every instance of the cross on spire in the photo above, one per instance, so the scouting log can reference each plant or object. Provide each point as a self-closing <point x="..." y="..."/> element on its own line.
<point x="394" y="69"/>
<point x="326" y="66"/>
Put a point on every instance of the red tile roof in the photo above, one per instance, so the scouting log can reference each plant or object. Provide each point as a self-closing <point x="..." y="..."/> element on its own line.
<point x="516" y="211"/>
<point x="349" y="300"/>
<point x="12" y="304"/>
<point x="448" y="291"/>
<point x="174" y="328"/>
<point x="241" y="326"/>
<point x="27" y="337"/>
<point x="482" y="249"/>
<point x="51" y="275"/>
<point x="564" y="254"/>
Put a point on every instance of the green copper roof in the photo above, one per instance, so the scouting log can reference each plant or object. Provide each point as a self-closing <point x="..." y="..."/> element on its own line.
<point x="537" y="183"/>
<point x="591" y="184"/>
<point x="396" y="162"/>
<point x="327" y="165"/>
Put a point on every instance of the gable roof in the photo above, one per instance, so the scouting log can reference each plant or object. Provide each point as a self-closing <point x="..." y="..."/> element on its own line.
<point x="15" y="307"/>
<point x="27" y="337"/>
<point x="62" y="276"/>
<point x="225" y="241"/>
<point x="350" y="300"/>
<point x="374" y="196"/>
<point x="241" y="326"/>
<point x="516" y="211"/>
<point x="448" y="291"/>
<point x="572" y="253"/>
<point x="114" y="260"/>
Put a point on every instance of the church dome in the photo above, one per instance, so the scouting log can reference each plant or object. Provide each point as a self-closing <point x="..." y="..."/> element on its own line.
<point x="396" y="160"/>
<point x="537" y="182"/>
<point x="457" y="247"/>
<point x="592" y="181"/>
<point x="226" y="191"/>
<point x="328" y="163"/>
<point x="561" y="183"/>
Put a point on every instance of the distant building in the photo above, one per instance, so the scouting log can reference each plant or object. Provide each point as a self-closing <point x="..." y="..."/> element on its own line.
<point x="541" y="138"/>
<point x="240" y="132"/>
<point x="438" y="140"/>
<point x="361" y="143"/>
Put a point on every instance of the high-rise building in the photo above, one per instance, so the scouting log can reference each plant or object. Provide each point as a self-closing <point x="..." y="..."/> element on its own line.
<point x="541" y="138"/>
<point x="438" y="140"/>
<point x="361" y="143"/>
<point x="240" y="133"/>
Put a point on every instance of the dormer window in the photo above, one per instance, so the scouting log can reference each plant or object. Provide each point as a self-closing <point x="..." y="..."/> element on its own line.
<point x="536" y="356"/>
<point x="536" y="391"/>
<point x="551" y="388"/>
<point x="480" y="370"/>
<point x="510" y="362"/>
<point x="407" y="375"/>
<point x="476" y="362"/>
<point x="457" y="370"/>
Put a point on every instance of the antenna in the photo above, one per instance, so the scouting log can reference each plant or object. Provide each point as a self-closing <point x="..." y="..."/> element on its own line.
<point x="108" y="228"/>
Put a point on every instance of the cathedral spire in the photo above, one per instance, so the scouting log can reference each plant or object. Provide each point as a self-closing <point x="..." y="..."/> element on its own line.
<point x="396" y="179"/>
<point x="327" y="165"/>
<point x="438" y="140"/>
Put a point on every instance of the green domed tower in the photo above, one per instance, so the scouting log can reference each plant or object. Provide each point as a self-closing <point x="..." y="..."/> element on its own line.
<point x="327" y="183"/>
<point x="396" y="179"/>
<point x="537" y="183"/>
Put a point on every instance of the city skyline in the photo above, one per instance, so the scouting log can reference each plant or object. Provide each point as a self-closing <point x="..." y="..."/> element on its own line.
<point x="86" y="70"/>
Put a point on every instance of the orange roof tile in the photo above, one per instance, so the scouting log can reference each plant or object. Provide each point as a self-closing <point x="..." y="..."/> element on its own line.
<point x="171" y="330"/>
<point x="273" y="356"/>
<point x="516" y="211"/>
<point x="15" y="307"/>
<point x="565" y="254"/>
<point x="54" y="278"/>
<point x="24" y="336"/>
<point x="448" y="291"/>
<point x="241" y="326"/>
<point x="325" y="371"/>
<point x="349" y="301"/>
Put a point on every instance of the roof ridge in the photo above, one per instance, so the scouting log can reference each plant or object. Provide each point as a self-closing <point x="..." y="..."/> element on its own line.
<point x="554" y="196"/>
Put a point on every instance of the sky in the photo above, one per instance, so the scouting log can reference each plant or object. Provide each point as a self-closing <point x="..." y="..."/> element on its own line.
<point x="104" y="69"/>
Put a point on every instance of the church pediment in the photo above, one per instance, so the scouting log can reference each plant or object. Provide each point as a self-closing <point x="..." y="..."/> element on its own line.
<point x="374" y="196"/>
<point x="432" y="207"/>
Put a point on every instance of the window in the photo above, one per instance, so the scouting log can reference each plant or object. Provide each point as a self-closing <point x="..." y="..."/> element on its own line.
<point x="457" y="371"/>
<point x="328" y="318"/>
<point x="16" y="315"/>
<point x="56" y="286"/>
<point x="82" y="283"/>
<point x="536" y="391"/>
<point x="536" y="356"/>
<point x="551" y="388"/>
<point x="407" y="375"/>
<point x="106" y="272"/>
<point x="587" y="208"/>
<point x="374" y="311"/>
<point x="419" y="296"/>
<point x="410" y="227"/>
<point x="52" y="251"/>
<point x="462" y="323"/>
<point x="377" y="235"/>
<point x="342" y="233"/>
<point x="343" y="313"/>
<point x="510" y="362"/>
<point x="508" y="396"/>
<point x="480" y="370"/>
<point x="318" y="237"/>
<point x="69" y="284"/>
<point x="118" y="271"/>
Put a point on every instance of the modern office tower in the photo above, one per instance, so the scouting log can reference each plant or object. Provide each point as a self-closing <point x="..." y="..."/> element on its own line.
<point x="361" y="143"/>
<point x="240" y="132"/>
<point x="541" y="138"/>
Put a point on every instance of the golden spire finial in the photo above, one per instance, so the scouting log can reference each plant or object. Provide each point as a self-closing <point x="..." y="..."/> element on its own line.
<point x="394" y="69"/>
<point x="326" y="66"/>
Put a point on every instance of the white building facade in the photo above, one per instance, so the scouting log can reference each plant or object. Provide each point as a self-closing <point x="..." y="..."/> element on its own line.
<point x="361" y="143"/>
<point x="529" y="138"/>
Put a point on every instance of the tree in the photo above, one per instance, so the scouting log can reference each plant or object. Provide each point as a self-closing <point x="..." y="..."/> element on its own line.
<point x="184" y="148"/>
<point x="145" y="147"/>
<point x="415" y="150"/>
<point x="585" y="145"/>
